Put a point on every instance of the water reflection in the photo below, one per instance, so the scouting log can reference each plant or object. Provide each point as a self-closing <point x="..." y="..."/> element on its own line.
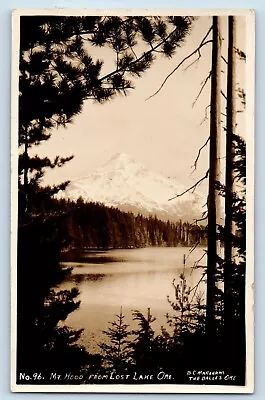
<point x="77" y="278"/>
<point x="133" y="279"/>
<point x="92" y="256"/>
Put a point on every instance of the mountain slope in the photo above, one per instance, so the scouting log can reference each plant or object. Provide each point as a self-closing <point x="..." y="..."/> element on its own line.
<point x="130" y="186"/>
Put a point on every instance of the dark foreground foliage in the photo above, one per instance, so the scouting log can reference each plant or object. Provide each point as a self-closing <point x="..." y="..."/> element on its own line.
<point x="44" y="343"/>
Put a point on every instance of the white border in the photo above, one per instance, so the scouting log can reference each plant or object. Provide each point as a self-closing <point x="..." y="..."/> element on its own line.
<point x="250" y="85"/>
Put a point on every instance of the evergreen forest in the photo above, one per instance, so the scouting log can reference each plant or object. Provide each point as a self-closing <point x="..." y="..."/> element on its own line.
<point x="93" y="225"/>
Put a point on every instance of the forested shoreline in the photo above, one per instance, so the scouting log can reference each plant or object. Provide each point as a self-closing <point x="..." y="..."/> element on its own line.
<point x="93" y="225"/>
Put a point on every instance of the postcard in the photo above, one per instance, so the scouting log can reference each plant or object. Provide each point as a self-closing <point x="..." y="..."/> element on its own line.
<point x="132" y="256"/>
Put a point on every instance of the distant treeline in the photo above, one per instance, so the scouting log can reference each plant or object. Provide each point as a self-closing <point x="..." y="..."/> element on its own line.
<point x="94" y="225"/>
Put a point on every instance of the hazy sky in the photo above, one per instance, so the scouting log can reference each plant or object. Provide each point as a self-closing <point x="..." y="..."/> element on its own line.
<point x="164" y="133"/>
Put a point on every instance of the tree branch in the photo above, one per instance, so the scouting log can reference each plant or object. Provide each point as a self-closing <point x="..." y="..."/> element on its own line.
<point x="192" y="250"/>
<point x="195" y="265"/>
<point x="200" y="219"/>
<point x="222" y="57"/>
<point x="222" y="93"/>
<point x="241" y="54"/>
<point x="195" y="61"/>
<point x="138" y="59"/>
<point x="202" y="87"/>
<point x="193" y="187"/>
<point x="199" y="153"/>
<point x="203" y="43"/>
<point x="205" y="116"/>
<point x="195" y="288"/>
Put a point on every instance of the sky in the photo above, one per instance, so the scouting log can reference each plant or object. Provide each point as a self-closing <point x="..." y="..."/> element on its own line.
<point x="164" y="132"/>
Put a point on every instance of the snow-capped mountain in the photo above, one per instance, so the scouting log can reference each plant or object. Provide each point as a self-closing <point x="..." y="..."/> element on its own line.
<point x="130" y="186"/>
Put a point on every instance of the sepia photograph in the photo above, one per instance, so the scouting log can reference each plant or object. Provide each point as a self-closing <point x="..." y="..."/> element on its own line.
<point x="132" y="153"/>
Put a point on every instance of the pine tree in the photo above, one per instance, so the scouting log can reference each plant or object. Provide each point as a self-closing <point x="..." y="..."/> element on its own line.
<point x="144" y="344"/>
<point x="182" y="345"/>
<point x="57" y="74"/>
<point x="40" y="308"/>
<point x="234" y="232"/>
<point x="189" y="310"/>
<point x="229" y="186"/>
<point x="214" y="170"/>
<point x="116" y="349"/>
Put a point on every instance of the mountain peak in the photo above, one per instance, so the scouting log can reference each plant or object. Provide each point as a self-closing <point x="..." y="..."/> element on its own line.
<point x="123" y="162"/>
<point x="124" y="183"/>
<point x="120" y="159"/>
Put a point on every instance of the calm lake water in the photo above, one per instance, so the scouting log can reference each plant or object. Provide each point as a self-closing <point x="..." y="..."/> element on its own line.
<point x="133" y="279"/>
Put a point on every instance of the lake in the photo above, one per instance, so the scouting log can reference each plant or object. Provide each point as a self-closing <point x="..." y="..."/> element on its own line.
<point x="134" y="279"/>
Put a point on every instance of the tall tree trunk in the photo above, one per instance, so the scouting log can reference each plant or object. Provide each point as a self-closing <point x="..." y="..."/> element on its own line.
<point x="214" y="171"/>
<point x="230" y="126"/>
